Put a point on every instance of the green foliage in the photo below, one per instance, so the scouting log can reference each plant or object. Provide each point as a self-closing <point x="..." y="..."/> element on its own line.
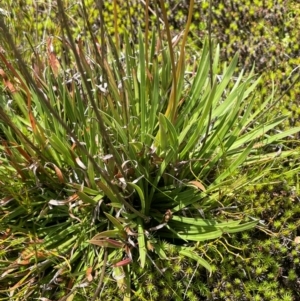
<point x="119" y="165"/>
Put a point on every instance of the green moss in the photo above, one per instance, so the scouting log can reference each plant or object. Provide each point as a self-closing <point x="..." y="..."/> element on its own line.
<point x="272" y="44"/>
<point x="292" y="275"/>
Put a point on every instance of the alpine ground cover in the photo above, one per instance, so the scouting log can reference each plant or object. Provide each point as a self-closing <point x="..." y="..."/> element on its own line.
<point x="124" y="167"/>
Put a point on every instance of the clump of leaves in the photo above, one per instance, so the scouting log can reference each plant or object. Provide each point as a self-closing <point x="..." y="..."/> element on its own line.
<point x="106" y="158"/>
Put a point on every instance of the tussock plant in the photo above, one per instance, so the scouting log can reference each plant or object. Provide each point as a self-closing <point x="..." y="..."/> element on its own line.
<point x="116" y="162"/>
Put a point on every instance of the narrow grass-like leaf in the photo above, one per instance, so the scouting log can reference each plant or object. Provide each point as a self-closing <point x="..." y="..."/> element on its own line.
<point x="172" y="136"/>
<point x="142" y="242"/>
<point x="196" y="257"/>
<point x="201" y="124"/>
<point x="86" y="199"/>
<point x="143" y="88"/>
<point x="86" y="190"/>
<point x="186" y="198"/>
<point x="107" y="234"/>
<point x="281" y="135"/>
<point x="107" y="191"/>
<point x="141" y="196"/>
<point x="154" y="94"/>
<point x="257" y="132"/>
<point x="196" y="91"/>
<point x="163" y="136"/>
<point x="160" y="251"/>
<point x="108" y="243"/>
<point x="204" y="222"/>
<point x="240" y="227"/>
<point x="115" y="222"/>
<point x="60" y="147"/>
<point x="169" y="157"/>
<point x="206" y="235"/>
<point x="237" y="162"/>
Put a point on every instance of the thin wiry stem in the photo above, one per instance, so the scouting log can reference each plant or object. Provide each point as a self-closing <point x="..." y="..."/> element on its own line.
<point x="263" y="113"/>
<point x="171" y="106"/>
<point x="98" y="289"/>
<point x="211" y="69"/>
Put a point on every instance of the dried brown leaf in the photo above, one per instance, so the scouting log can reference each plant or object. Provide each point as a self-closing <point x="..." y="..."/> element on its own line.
<point x="7" y="83"/>
<point x="198" y="184"/>
<point x="88" y="274"/>
<point x="52" y="59"/>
